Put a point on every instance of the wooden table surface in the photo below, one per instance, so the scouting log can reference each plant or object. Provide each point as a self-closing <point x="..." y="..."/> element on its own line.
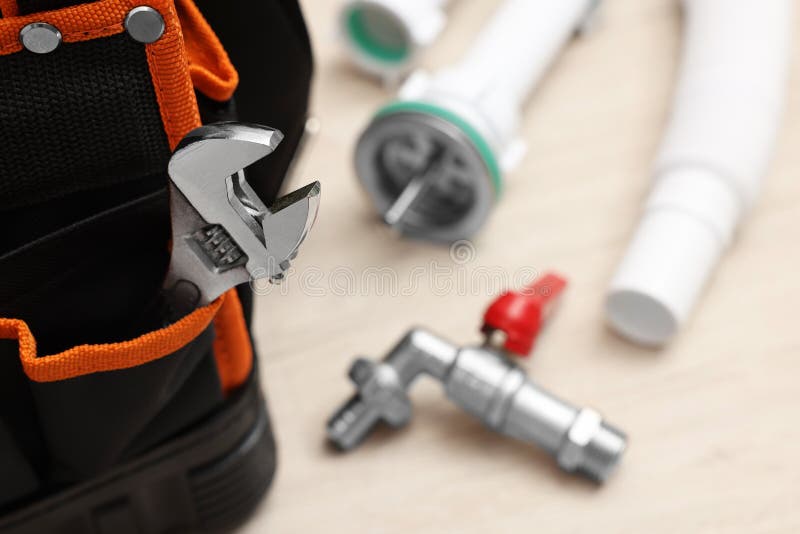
<point x="713" y="419"/>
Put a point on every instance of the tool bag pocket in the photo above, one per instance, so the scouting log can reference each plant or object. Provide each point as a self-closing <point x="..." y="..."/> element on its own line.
<point x="89" y="373"/>
<point x="70" y="415"/>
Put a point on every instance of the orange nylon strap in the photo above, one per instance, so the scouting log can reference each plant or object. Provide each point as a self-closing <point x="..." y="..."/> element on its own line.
<point x="77" y="23"/>
<point x="210" y="67"/>
<point x="232" y="348"/>
<point x="168" y="62"/>
<point x="166" y="57"/>
<point x="9" y="8"/>
<point x="87" y="359"/>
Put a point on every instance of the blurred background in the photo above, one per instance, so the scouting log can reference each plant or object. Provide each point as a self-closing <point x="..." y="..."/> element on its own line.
<point x="711" y="417"/>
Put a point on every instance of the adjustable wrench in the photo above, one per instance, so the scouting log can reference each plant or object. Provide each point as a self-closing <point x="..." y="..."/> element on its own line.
<point x="222" y="234"/>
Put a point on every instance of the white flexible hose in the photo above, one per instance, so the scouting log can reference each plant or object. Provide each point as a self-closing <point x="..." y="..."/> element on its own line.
<point x="713" y="157"/>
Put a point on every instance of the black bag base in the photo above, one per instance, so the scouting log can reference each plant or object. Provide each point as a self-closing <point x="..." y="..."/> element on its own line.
<point x="208" y="479"/>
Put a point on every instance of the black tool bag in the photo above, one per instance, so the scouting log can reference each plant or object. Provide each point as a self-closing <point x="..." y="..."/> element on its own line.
<point x="107" y="416"/>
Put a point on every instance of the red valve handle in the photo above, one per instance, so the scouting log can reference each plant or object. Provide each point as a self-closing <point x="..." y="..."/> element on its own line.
<point x="520" y="314"/>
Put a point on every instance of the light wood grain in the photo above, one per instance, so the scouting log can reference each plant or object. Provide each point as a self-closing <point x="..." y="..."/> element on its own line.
<point x="713" y="419"/>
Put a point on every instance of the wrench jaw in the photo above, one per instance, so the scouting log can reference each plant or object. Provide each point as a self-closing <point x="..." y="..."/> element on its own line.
<point x="222" y="234"/>
<point x="286" y="227"/>
<point x="281" y="228"/>
<point x="219" y="150"/>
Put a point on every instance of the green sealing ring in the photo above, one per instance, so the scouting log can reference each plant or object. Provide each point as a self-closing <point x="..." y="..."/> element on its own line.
<point x="477" y="140"/>
<point x="369" y="43"/>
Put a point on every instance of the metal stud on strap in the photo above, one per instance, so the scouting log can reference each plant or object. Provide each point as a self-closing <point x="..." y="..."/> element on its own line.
<point x="40" y="37"/>
<point x="144" y="24"/>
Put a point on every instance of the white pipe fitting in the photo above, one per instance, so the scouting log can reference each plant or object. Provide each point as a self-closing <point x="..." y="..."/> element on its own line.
<point x="432" y="160"/>
<point x="491" y="83"/>
<point x="712" y="159"/>
<point x="383" y="37"/>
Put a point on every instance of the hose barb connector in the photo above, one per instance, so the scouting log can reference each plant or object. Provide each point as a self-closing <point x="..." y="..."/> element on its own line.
<point x="486" y="383"/>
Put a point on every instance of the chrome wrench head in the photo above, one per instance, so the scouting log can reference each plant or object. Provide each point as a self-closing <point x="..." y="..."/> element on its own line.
<point x="223" y="235"/>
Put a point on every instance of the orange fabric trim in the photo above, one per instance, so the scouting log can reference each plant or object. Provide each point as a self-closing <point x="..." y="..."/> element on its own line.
<point x="87" y="359"/>
<point x="167" y="58"/>
<point x="78" y="23"/>
<point x="210" y="67"/>
<point x="175" y="72"/>
<point x="232" y="348"/>
<point x="9" y="8"/>
<point x="168" y="64"/>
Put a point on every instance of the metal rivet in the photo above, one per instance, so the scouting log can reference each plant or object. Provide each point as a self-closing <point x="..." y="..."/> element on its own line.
<point x="40" y="37"/>
<point x="144" y="24"/>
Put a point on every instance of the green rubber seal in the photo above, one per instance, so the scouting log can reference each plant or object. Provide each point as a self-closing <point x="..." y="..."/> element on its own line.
<point x="370" y="43"/>
<point x="483" y="148"/>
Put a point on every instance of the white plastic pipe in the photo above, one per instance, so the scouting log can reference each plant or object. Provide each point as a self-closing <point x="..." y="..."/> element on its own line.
<point x="384" y="37"/>
<point x="713" y="157"/>
<point x="490" y="84"/>
<point x="513" y="51"/>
